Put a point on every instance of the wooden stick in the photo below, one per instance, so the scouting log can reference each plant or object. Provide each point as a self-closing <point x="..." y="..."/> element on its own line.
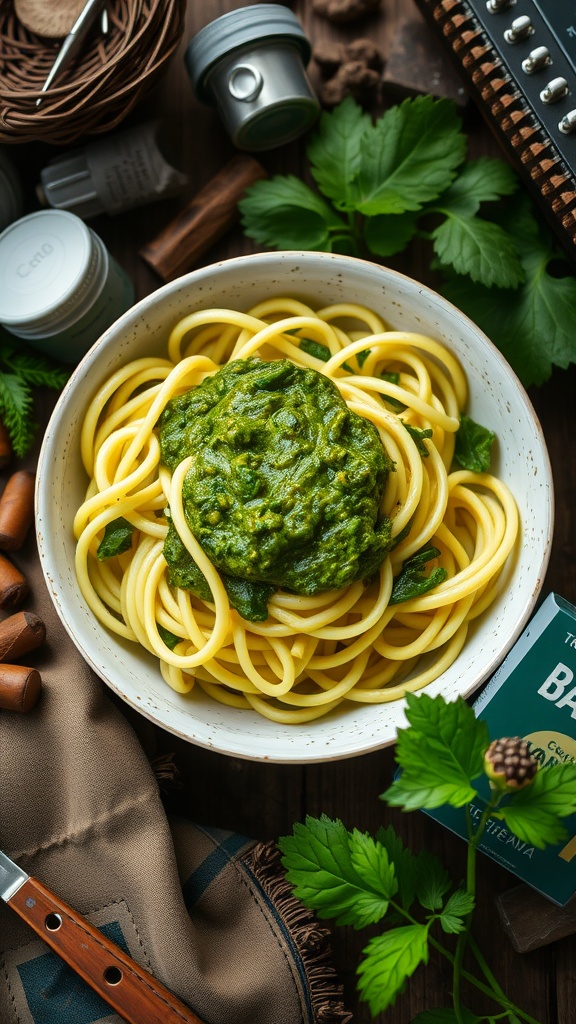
<point x="19" y="687"/>
<point x="203" y="221"/>
<point x="20" y="634"/>
<point x="16" y="510"/>
<point x="13" y="585"/>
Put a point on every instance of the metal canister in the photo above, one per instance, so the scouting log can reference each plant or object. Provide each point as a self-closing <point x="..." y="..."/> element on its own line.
<point x="251" y="64"/>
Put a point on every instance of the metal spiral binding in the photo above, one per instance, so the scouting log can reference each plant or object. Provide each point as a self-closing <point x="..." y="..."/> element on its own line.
<point x="509" y="114"/>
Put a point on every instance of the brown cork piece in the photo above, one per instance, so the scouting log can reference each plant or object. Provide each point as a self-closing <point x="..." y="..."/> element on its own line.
<point x="19" y="688"/>
<point x="53" y="19"/>
<point x="16" y="510"/>
<point x="19" y="634"/>
<point x="13" y="585"/>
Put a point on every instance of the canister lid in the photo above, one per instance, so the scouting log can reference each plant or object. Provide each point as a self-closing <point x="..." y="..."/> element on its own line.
<point x="234" y="30"/>
<point x="47" y="263"/>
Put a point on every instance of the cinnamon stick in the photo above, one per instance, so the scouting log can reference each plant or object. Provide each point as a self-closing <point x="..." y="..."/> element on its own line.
<point x="16" y="510"/>
<point x="20" y="634"/>
<point x="19" y="687"/>
<point x="203" y="221"/>
<point x="13" y="585"/>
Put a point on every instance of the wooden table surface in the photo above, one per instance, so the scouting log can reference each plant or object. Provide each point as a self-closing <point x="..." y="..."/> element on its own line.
<point x="262" y="799"/>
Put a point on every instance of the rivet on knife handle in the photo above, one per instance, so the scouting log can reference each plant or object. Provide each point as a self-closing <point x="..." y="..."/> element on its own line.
<point x="133" y="993"/>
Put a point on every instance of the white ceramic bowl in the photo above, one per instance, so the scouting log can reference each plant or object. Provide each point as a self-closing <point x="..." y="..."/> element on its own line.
<point x="497" y="400"/>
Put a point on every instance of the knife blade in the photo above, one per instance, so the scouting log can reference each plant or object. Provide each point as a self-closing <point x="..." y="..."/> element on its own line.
<point x="132" y="992"/>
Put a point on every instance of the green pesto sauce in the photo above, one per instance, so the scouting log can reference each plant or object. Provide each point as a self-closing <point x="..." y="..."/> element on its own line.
<point x="286" y="483"/>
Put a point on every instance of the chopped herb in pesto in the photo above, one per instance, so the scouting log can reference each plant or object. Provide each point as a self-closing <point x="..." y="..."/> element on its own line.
<point x="418" y="435"/>
<point x="117" y="538"/>
<point x="412" y="580"/>
<point x="169" y="638"/>
<point x="473" y="446"/>
<point x="286" y="482"/>
<point x="248" y="598"/>
<point x="315" y="348"/>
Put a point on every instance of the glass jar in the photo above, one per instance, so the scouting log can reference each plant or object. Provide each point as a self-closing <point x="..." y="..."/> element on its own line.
<point x="59" y="286"/>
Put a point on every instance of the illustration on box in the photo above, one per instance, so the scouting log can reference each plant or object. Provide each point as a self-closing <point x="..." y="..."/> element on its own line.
<point x="532" y="695"/>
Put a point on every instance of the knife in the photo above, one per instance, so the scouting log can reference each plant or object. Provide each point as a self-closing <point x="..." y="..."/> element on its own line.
<point x="134" y="994"/>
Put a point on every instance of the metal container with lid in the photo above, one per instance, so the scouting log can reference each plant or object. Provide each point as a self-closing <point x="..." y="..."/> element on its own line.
<point x="119" y="172"/>
<point x="59" y="286"/>
<point x="250" y="63"/>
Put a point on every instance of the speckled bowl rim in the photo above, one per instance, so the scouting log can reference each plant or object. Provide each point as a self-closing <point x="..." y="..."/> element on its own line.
<point x="319" y="277"/>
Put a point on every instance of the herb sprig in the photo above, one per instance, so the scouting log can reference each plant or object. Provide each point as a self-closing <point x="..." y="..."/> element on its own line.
<point x="22" y="369"/>
<point x="358" y="879"/>
<point x="382" y="184"/>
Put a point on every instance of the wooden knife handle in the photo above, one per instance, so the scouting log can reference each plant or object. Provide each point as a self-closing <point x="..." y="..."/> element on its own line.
<point x="133" y="993"/>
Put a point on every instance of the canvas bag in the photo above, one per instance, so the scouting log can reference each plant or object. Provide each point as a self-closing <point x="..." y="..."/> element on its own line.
<point x="206" y="911"/>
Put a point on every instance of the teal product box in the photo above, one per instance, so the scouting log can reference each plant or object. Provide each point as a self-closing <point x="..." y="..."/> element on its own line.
<point x="533" y="695"/>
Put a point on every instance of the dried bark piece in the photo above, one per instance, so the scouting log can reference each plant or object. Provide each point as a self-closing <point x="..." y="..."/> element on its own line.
<point x="344" y="11"/>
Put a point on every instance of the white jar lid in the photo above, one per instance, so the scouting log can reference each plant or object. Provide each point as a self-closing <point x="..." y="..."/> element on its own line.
<point x="47" y="265"/>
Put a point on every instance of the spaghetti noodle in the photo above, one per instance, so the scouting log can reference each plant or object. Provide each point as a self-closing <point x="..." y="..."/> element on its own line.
<point x="315" y="651"/>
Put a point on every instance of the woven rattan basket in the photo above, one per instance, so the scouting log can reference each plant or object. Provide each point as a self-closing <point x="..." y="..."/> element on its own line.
<point x="97" y="92"/>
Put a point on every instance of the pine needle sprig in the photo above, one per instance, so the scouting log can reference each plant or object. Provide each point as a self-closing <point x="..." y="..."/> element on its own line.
<point x="20" y="371"/>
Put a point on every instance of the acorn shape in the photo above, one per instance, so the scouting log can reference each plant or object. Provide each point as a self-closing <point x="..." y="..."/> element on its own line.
<point x="509" y="764"/>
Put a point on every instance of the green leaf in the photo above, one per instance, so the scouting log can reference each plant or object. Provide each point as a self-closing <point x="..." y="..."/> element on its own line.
<point x="335" y="151"/>
<point x="460" y="904"/>
<point x="440" y="754"/>
<point x="480" y="181"/>
<point x="535" y="813"/>
<point x="370" y="859"/>
<point x="473" y="445"/>
<point x="412" y="580"/>
<point x="117" y="538"/>
<point x="387" y="234"/>
<point x="432" y="880"/>
<point x="390" y="959"/>
<point x="33" y="368"/>
<point x="316" y="349"/>
<point x="249" y="597"/>
<point x="409" y="156"/>
<point x="318" y="860"/>
<point x="480" y="249"/>
<point x="419" y="435"/>
<point x="534" y="325"/>
<point x="404" y="861"/>
<point x="282" y="212"/>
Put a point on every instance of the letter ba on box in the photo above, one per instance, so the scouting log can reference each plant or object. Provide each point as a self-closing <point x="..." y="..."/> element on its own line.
<point x="533" y="695"/>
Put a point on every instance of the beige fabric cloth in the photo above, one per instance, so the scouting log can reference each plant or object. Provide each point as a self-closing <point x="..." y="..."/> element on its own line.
<point x="80" y="808"/>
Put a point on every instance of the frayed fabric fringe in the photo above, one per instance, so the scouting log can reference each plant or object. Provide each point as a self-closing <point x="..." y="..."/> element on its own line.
<point x="311" y="938"/>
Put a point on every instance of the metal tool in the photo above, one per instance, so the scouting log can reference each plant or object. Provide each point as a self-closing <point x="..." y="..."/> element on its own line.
<point x="73" y="42"/>
<point x="133" y="993"/>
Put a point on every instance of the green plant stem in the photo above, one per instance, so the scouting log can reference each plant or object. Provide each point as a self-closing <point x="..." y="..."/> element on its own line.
<point x="486" y="971"/>
<point x="464" y="937"/>
<point x="494" y="992"/>
<point x="502" y="1000"/>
